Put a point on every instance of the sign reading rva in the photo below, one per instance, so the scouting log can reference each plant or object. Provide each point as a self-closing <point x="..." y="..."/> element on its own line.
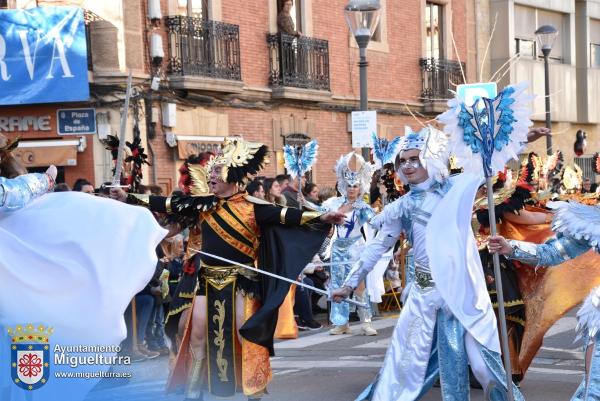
<point x="43" y="56"/>
<point x="76" y="121"/>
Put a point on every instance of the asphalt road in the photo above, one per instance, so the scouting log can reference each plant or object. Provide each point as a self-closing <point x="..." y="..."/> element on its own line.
<point x="318" y="366"/>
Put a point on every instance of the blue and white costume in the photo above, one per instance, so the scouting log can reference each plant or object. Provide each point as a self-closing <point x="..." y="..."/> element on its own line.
<point x="438" y="333"/>
<point x="17" y="192"/>
<point x="577" y="229"/>
<point x="349" y="238"/>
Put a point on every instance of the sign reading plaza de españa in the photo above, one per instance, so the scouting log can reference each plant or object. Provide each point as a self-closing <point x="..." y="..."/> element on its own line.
<point x="76" y="121"/>
<point x="43" y="56"/>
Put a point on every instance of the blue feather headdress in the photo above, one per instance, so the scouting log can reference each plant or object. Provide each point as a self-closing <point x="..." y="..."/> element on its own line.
<point x="298" y="160"/>
<point x="384" y="151"/>
<point x="485" y="135"/>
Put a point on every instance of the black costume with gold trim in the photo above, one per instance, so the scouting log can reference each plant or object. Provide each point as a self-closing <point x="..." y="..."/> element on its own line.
<point x="254" y="232"/>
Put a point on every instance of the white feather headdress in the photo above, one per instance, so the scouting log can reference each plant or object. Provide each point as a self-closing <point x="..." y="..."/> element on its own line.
<point x="346" y="176"/>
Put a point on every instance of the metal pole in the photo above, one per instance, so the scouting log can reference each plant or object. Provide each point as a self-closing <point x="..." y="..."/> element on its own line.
<point x="500" y="293"/>
<point x="364" y="103"/>
<point x="547" y="84"/>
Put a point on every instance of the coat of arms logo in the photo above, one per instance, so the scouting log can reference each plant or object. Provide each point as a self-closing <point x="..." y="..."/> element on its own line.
<point x="30" y="355"/>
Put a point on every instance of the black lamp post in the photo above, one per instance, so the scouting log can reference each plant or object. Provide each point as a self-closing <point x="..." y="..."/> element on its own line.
<point x="362" y="17"/>
<point x="546" y="36"/>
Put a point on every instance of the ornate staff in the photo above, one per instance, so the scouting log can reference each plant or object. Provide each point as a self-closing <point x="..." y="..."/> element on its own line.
<point x="496" y="130"/>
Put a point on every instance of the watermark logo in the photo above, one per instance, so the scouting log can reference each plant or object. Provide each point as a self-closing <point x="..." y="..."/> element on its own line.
<point x="30" y="355"/>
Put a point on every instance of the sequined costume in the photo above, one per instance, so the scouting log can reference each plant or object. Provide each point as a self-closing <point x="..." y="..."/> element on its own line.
<point x="348" y="242"/>
<point x="576" y="226"/>
<point x="17" y="192"/>
<point x="438" y="334"/>
<point x="349" y="238"/>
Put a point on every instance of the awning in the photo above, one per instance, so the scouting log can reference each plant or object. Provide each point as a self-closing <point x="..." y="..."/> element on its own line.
<point x="188" y="145"/>
<point x="45" y="153"/>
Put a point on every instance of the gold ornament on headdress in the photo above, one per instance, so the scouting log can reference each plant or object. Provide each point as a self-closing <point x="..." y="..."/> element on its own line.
<point x="572" y="177"/>
<point x="199" y="176"/>
<point x="235" y="152"/>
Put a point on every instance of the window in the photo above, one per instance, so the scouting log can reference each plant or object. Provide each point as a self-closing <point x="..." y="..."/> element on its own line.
<point x="199" y="8"/>
<point x="594" y="43"/>
<point x="434" y="29"/>
<point x="557" y="20"/>
<point x="526" y="21"/>
<point x="4" y="4"/>
<point x="295" y="12"/>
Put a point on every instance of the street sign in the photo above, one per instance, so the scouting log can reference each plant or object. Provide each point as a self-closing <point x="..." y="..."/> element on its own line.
<point x="76" y="121"/>
<point x="364" y="123"/>
<point x="469" y="93"/>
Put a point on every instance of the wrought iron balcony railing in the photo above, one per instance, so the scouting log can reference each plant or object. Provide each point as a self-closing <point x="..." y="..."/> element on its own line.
<point x="203" y="48"/>
<point x="300" y="62"/>
<point x="439" y="77"/>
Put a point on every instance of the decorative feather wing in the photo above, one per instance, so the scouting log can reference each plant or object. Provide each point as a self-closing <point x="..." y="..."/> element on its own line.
<point x="577" y="220"/>
<point x="384" y="151"/>
<point x="199" y="175"/>
<point x="435" y="154"/>
<point x="493" y="129"/>
<point x="299" y="160"/>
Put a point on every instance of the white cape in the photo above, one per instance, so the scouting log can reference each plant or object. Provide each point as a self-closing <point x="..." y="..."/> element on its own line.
<point x="455" y="263"/>
<point x="73" y="262"/>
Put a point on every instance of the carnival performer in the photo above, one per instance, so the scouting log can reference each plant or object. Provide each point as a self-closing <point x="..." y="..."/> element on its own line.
<point x="349" y="240"/>
<point x="70" y="265"/>
<point x="229" y="337"/>
<point x="437" y="333"/>
<point x="576" y="226"/>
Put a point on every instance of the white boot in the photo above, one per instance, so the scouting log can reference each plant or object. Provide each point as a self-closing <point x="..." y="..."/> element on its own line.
<point x="367" y="330"/>
<point x="335" y="330"/>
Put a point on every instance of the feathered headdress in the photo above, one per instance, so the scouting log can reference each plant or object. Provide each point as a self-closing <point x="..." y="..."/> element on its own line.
<point x="299" y="160"/>
<point x="136" y="158"/>
<point x="193" y="172"/>
<point x="597" y="163"/>
<point x="346" y="176"/>
<point x="239" y="159"/>
<point x="384" y="151"/>
<point x="433" y="145"/>
<point x="531" y="168"/>
<point x="485" y="135"/>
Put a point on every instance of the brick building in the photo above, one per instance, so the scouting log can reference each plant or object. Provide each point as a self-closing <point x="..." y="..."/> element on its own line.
<point x="227" y="71"/>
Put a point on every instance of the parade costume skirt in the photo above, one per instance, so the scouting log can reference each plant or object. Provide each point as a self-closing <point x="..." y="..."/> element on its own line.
<point x="429" y="342"/>
<point x="342" y="250"/>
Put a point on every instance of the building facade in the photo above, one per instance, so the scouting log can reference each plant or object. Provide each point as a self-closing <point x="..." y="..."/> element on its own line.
<point x="221" y="68"/>
<point x="574" y="69"/>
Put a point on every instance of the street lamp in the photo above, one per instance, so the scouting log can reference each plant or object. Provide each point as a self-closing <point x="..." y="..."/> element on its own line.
<point x="546" y="36"/>
<point x="362" y="17"/>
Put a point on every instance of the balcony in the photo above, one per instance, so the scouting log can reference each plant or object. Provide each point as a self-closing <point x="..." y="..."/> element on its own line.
<point x="299" y="67"/>
<point x="204" y="55"/>
<point x="438" y="78"/>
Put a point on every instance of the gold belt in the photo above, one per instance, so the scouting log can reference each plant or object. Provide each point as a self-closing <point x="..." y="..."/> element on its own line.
<point x="220" y="276"/>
